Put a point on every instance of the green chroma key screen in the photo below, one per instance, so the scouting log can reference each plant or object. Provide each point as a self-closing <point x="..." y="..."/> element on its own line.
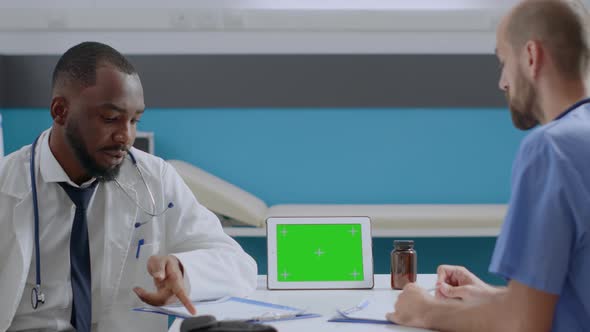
<point x="319" y="252"/>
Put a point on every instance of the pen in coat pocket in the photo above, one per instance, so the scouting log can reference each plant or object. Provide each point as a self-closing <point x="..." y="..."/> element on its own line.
<point x="139" y="244"/>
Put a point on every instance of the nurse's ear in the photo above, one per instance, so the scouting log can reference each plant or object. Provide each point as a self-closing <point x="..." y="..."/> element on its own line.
<point x="59" y="110"/>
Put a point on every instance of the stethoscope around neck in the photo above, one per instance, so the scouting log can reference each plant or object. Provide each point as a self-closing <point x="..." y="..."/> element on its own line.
<point x="37" y="295"/>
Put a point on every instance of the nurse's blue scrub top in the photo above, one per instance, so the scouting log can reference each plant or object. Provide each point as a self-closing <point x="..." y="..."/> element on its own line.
<point x="545" y="240"/>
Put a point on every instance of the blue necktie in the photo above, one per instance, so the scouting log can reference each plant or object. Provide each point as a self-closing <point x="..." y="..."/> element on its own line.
<point x="81" y="318"/>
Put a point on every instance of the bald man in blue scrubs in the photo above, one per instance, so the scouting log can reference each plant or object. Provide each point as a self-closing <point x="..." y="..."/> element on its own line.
<point x="544" y="246"/>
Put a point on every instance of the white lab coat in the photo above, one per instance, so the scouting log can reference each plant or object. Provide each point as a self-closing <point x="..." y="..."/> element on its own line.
<point x="214" y="264"/>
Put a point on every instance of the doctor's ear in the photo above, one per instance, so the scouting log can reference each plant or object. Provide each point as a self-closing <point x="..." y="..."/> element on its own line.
<point x="59" y="110"/>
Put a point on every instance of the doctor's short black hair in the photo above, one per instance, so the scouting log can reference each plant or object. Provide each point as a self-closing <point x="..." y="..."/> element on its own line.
<point x="78" y="64"/>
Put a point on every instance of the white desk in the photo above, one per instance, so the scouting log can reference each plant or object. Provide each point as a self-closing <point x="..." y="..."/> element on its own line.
<point x="325" y="302"/>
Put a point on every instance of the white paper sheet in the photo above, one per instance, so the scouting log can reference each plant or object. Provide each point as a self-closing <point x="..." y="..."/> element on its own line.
<point x="228" y="308"/>
<point x="377" y="306"/>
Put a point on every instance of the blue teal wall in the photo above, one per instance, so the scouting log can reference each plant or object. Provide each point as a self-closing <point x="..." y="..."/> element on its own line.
<point x="331" y="155"/>
<point x="339" y="156"/>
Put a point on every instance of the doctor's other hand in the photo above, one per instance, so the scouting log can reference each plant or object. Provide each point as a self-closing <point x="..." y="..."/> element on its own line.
<point x="457" y="282"/>
<point x="167" y="272"/>
<point x="411" y="307"/>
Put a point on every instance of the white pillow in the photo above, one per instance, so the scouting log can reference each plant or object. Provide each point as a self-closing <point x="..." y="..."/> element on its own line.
<point x="222" y="197"/>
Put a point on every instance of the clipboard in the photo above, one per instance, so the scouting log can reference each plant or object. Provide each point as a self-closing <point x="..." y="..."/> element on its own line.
<point x="234" y="308"/>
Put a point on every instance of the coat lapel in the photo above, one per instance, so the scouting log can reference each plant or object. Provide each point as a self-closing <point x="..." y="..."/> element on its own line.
<point x="120" y="215"/>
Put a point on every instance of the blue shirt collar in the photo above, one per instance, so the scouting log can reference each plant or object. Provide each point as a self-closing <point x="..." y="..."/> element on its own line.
<point x="573" y="107"/>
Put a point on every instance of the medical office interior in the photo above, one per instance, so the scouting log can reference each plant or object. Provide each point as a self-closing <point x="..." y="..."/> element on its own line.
<point x="381" y="108"/>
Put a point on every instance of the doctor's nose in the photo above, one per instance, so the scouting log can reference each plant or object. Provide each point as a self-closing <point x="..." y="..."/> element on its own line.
<point x="502" y="82"/>
<point x="123" y="135"/>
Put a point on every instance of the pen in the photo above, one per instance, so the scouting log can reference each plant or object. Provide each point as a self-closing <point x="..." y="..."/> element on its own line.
<point x="139" y="244"/>
<point x="356" y="308"/>
<point x="276" y="316"/>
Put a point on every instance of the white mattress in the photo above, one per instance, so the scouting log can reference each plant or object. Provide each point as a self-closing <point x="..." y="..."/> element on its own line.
<point x="234" y="203"/>
<point x="405" y="216"/>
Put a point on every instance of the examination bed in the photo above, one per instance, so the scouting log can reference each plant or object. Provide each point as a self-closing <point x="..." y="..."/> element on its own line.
<point x="237" y="207"/>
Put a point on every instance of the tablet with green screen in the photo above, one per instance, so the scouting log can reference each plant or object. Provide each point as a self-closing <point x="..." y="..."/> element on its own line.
<point x="319" y="253"/>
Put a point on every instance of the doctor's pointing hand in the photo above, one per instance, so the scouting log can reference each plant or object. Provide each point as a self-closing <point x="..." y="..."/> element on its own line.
<point x="168" y="275"/>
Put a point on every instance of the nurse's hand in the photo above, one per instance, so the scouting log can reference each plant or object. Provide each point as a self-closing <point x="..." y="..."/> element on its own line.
<point x="411" y="307"/>
<point x="168" y="278"/>
<point x="457" y="282"/>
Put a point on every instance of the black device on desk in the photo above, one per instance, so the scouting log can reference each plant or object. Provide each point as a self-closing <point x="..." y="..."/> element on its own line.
<point x="210" y="324"/>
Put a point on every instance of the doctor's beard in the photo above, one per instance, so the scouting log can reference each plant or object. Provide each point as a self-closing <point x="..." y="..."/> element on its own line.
<point x="102" y="174"/>
<point x="523" y="106"/>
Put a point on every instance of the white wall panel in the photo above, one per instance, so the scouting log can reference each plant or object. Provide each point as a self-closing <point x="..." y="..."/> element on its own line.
<point x="253" y="26"/>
